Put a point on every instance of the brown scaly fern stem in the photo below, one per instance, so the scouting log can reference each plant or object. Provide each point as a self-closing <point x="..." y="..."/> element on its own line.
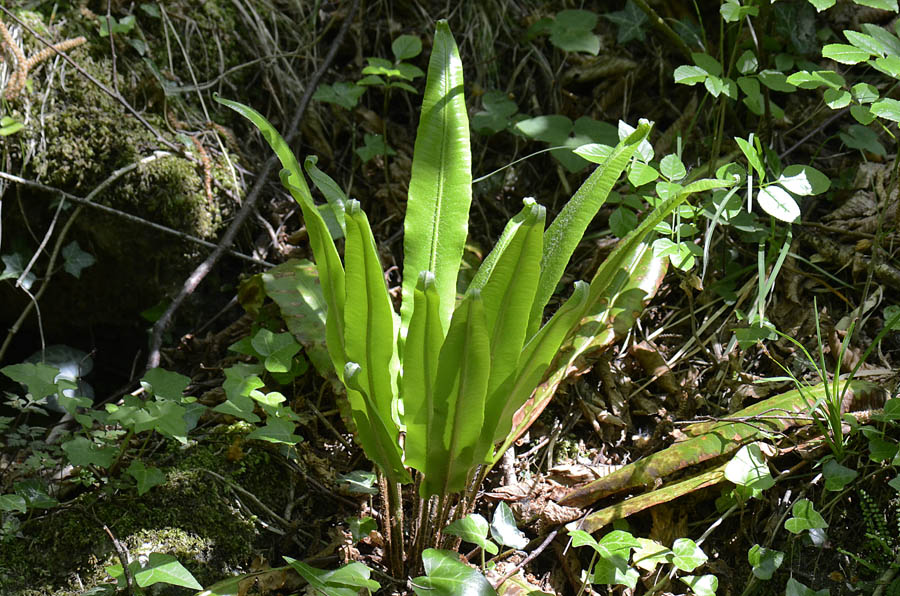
<point x="22" y="65"/>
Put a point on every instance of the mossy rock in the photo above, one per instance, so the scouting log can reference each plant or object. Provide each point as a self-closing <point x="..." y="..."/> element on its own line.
<point x="191" y="517"/>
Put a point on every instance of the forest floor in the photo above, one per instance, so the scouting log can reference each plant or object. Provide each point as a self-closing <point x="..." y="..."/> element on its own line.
<point x="228" y="505"/>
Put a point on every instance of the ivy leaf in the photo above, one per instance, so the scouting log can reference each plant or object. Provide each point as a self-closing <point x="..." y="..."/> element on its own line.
<point x="161" y="569"/>
<point x="446" y="575"/>
<point x="765" y="561"/>
<point x="361" y="527"/>
<point x="614" y="570"/>
<point x="572" y="31"/>
<point x="359" y="481"/>
<point x="13" y="266"/>
<point x="631" y="21"/>
<point x="146" y="477"/>
<point x="277" y="430"/>
<point x="805" y="518"/>
<point x="837" y="476"/>
<point x="76" y="259"/>
<point x="39" y="378"/>
<point x="703" y="585"/>
<point x="748" y="468"/>
<point x="374" y="146"/>
<point x="504" y="529"/>
<point x="473" y="528"/>
<point x="498" y="109"/>
<point x="795" y="588"/>
<point x="165" y="384"/>
<point x="687" y="555"/>
<point x="13" y="503"/>
<point x="81" y="451"/>
<point x="342" y="93"/>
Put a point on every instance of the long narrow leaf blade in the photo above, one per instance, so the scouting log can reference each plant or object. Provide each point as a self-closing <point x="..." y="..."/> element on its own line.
<point x="440" y="190"/>
<point x="420" y="363"/>
<point x="567" y="229"/>
<point x="508" y="294"/>
<point x="537" y="356"/>
<point x="328" y="262"/>
<point x="461" y="388"/>
<point x="369" y="318"/>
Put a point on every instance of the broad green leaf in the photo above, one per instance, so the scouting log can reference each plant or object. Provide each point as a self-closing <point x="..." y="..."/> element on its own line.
<point x="82" y="451"/>
<point x="504" y="529"/>
<point x="862" y="114"/>
<point x="342" y="93"/>
<point x="887" y="108"/>
<point x="630" y="21"/>
<point x="370" y="342"/>
<point x="776" y="81"/>
<point x="165" y="383"/>
<point x="373" y="146"/>
<point x="346" y="580"/>
<point x="9" y="126"/>
<point x="359" y="482"/>
<point x="406" y="47"/>
<point x="836" y="98"/>
<point x="39" y="378"/>
<point x="864" y="93"/>
<point x="473" y="528"/>
<point x="747" y="62"/>
<point x="240" y="380"/>
<point x="498" y="110"/>
<point x="276" y="349"/>
<point x="160" y="569"/>
<point x="889" y="65"/>
<point x="748" y="468"/>
<point x="882" y="36"/>
<point x="420" y="364"/>
<point x="704" y="585"/>
<point x="553" y="129"/>
<point x="440" y="190"/>
<point x="813" y="79"/>
<point x="765" y="561"/>
<point x="146" y="477"/>
<point x="460" y="391"/>
<point x="805" y="517"/>
<point x="687" y="556"/>
<point x="866" y="42"/>
<point x="13" y="503"/>
<point x="845" y="54"/>
<point x="614" y="570"/>
<point x="650" y="554"/>
<point x="572" y="31"/>
<point x="837" y="476"/>
<point x="76" y="259"/>
<point x="622" y="221"/>
<point x="776" y="201"/>
<point x="890" y="5"/>
<point x="446" y="575"/>
<point x="277" y="430"/>
<point x="690" y="75"/>
<point x="707" y="63"/>
<point x="567" y="229"/>
<point x="672" y="167"/>
<point x="361" y="527"/>
<point x="821" y="5"/>
<point x="35" y="495"/>
<point x="795" y="588"/>
<point x="814" y="182"/>
<point x="640" y="174"/>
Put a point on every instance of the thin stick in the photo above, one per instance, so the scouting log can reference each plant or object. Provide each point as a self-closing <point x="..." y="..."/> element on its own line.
<point x="252" y="197"/>
<point x="541" y="548"/>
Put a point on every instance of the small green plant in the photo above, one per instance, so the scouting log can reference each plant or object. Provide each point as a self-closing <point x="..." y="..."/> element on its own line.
<point x="156" y="568"/>
<point x="451" y="373"/>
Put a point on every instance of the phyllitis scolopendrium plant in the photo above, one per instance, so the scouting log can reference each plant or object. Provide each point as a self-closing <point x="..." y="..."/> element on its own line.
<point x="435" y="387"/>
